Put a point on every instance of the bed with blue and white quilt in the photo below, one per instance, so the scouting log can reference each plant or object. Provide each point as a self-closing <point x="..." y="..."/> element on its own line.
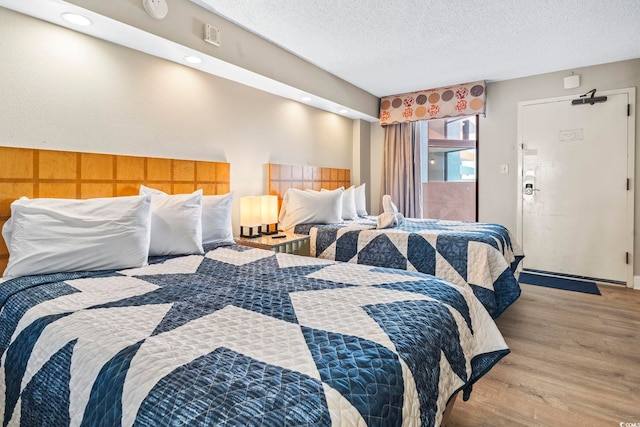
<point x="240" y="337"/>
<point x="482" y="256"/>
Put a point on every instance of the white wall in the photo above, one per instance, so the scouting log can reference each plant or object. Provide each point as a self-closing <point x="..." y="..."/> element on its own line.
<point x="63" y="90"/>
<point x="184" y="25"/>
<point x="498" y="136"/>
<point x="498" y="133"/>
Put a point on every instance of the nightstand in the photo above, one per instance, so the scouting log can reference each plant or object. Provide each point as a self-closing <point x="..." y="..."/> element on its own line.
<point x="297" y="244"/>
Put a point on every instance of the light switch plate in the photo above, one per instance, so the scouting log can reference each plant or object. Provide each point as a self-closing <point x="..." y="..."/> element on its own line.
<point x="157" y="9"/>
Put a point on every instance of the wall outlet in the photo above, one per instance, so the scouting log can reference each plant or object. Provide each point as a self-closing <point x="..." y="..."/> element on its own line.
<point x="504" y="169"/>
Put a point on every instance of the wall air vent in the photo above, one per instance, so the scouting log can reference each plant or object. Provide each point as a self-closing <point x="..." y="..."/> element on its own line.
<point x="212" y="35"/>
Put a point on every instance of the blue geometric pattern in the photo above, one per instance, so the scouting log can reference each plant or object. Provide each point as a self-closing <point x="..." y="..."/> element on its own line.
<point x="249" y="338"/>
<point x="17" y="357"/>
<point x="230" y="388"/>
<point x="193" y="298"/>
<point x="378" y="252"/>
<point x="422" y="343"/>
<point x="12" y="313"/>
<point x="352" y="365"/>
<point x="421" y="254"/>
<point x="105" y="406"/>
<point x="433" y="290"/>
<point x="49" y="385"/>
<point x="479" y="255"/>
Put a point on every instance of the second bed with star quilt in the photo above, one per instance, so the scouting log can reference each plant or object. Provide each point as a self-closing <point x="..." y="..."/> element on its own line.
<point x="482" y="256"/>
<point x="239" y="337"/>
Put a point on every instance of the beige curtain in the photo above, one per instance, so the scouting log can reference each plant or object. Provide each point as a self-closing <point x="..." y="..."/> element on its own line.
<point x="400" y="115"/>
<point x="402" y="178"/>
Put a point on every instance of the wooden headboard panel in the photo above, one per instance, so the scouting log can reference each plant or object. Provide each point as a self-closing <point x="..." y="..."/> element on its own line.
<point x="62" y="174"/>
<point x="283" y="177"/>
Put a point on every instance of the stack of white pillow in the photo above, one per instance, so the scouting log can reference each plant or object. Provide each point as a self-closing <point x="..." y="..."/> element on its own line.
<point x="322" y="207"/>
<point x="182" y="223"/>
<point x="60" y="235"/>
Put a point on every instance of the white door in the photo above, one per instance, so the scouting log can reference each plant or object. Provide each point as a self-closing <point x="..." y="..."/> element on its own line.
<point x="576" y="210"/>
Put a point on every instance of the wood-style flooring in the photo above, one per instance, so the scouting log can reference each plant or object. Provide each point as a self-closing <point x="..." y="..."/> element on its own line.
<point x="574" y="361"/>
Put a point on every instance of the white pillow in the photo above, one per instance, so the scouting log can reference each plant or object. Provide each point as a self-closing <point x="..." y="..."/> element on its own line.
<point x="176" y="223"/>
<point x="361" y="200"/>
<point x="348" y="202"/>
<point x="388" y="205"/>
<point x="216" y="219"/>
<point x="310" y="207"/>
<point x="283" y="208"/>
<point x="216" y="216"/>
<point x="60" y="235"/>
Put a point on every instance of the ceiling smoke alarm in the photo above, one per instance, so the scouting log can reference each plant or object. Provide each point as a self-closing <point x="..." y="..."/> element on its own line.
<point x="157" y="9"/>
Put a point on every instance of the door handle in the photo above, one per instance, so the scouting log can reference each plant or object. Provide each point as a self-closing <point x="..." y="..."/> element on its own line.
<point x="528" y="189"/>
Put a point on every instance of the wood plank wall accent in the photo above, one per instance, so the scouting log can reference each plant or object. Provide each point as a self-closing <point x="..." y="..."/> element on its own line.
<point x="62" y="174"/>
<point x="283" y="177"/>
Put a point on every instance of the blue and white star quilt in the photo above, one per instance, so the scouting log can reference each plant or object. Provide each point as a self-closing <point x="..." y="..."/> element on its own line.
<point x="481" y="256"/>
<point x="241" y="337"/>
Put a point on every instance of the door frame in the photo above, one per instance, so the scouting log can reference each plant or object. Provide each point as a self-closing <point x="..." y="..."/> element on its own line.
<point x="630" y="217"/>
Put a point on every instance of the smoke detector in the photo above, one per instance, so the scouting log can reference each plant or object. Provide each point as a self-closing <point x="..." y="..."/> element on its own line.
<point x="157" y="9"/>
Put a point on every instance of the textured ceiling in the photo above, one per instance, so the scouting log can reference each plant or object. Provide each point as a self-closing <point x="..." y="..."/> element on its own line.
<point x="388" y="47"/>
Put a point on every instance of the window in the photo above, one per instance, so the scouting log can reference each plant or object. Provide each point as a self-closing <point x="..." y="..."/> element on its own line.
<point x="449" y="168"/>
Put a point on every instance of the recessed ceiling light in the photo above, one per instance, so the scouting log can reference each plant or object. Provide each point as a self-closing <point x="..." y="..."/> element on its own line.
<point x="193" y="59"/>
<point x="306" y="98"/>
<point x="343" y="111"/>
<point x="74" y="18"/>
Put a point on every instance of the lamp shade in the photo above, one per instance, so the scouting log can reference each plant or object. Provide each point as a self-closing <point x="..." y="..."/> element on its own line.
<point x="250" y="211"/>
<point x="269" y="209"/>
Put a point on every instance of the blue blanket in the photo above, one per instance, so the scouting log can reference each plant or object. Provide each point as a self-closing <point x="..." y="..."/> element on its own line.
<point x="242" y="337"/>
<point x="479" y="255"/>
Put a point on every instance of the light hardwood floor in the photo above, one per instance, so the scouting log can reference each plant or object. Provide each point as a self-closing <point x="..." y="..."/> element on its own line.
<point x="574" y="361"/>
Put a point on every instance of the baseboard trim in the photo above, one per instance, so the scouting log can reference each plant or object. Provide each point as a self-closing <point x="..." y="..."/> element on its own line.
<point x="636" y="282"/>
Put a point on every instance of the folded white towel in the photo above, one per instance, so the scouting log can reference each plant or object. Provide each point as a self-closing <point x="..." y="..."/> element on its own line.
<point x="388" y="205"/>
<point x="389" y="220"/>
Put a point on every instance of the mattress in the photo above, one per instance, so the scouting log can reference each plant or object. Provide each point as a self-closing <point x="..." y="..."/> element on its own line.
<point x="481" y="256"/>
<point x="239" y="336"/>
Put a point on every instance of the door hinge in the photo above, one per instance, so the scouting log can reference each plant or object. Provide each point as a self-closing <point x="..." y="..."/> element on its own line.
<point x="626" y="257"/>
<point x="628" y="184"/>
<point x="628" y="110"/>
